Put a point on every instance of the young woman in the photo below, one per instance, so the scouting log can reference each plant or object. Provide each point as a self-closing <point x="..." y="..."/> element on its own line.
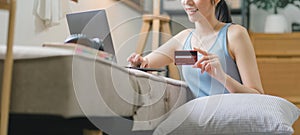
<point x="226" y="58"/>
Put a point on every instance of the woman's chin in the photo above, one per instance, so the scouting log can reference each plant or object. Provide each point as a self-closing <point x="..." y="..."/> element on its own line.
<point x="196" y="18"/>
<point x="193" y="20"/>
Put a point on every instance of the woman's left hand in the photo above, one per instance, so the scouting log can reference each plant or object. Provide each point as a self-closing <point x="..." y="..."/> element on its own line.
<point x="210" y="63"/>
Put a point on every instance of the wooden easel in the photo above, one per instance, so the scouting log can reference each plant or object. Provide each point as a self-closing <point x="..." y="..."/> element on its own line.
<point x="8" y="66"/>
<point x="160" y="24"/>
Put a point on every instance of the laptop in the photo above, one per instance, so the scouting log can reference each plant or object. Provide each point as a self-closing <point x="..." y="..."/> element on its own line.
<point x="93" y="24"/>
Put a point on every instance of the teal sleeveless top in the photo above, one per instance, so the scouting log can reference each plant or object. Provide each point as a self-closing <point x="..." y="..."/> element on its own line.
<point x="203" y="84"/>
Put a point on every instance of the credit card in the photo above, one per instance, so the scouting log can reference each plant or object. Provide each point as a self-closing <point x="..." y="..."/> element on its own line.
<point x="185" y="57"/>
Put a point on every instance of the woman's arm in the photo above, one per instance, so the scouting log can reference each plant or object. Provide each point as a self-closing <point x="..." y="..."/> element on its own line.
<point x="162" y="56"/>
<point x="241" y="49"/>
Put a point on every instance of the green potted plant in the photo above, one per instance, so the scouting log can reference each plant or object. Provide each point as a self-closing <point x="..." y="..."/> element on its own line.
<point x="275" y="23"/>
<point x="274" y="4"/>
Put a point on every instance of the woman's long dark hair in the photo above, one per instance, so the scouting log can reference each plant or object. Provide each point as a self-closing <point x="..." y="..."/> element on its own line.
<point x="222" y="12"/>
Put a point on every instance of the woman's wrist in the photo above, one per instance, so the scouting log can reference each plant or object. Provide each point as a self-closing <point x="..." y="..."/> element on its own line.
<point x="145" y="63"/>
<point x="223" y="79"/>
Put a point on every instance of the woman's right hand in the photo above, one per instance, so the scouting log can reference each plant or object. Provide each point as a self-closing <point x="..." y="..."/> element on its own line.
<point x="136" y="60"/>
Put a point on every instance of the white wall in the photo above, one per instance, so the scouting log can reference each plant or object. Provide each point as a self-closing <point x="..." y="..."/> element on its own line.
<point x="125" y="24"/>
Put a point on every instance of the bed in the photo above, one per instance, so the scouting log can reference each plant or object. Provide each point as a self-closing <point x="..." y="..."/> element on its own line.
<point x="77" y="82"/>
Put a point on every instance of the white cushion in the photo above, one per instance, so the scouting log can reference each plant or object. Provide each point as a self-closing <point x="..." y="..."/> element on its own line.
<point x="251" y="114"/>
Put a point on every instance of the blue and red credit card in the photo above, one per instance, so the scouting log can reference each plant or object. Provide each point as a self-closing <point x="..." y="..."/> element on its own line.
<point x="185" y="57"/>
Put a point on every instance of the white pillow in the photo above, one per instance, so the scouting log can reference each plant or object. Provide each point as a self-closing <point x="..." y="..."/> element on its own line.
<point x="229" y="114"/>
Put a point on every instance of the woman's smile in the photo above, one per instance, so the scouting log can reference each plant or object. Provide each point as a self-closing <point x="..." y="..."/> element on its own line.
<point x="191" y="11"/>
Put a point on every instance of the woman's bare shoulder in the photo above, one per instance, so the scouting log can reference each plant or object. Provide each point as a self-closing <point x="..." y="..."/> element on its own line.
<point x="237" y="31"/>
<point x="183" y="34"/>
<point x="238" y="39"/>
<point x="179" y="39"/>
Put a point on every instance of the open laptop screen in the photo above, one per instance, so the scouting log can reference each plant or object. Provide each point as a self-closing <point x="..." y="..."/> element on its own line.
<point x="92" y="24"/>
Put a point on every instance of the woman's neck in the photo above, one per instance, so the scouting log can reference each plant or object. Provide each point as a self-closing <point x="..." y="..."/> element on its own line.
<point x="207" y="26"/>
<point x="206" y="32"/>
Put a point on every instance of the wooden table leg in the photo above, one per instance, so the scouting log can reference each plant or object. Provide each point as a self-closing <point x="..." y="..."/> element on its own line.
<point x="7" y="72"/>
